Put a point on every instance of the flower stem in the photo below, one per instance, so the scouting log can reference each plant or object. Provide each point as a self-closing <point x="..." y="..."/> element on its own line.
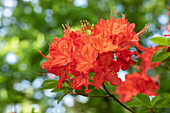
<point x="91" y="95"/>
<point x="111" y="95"/>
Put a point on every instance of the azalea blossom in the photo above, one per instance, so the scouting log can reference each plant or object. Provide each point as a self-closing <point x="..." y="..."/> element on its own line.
<point x="124" y="59"/>
<point x="92" y="50"/>
<point x="135" y="84"/>
<point x="105" y="70"/>
<point x="146" y="57"/>
<point x="113" y="35"/>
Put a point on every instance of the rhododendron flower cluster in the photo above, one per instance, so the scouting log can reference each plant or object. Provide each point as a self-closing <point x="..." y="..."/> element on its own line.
<point x="140" y="82"/>
<point x="104" y="50"/>
<point x="135" y="84"/>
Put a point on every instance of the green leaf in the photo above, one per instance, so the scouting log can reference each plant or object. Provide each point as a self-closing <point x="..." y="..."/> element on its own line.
<point x="168" y="41"/>
<point x="61" y="98"/>
<point x="144" y="98"/>
<point x="91" y="74"/>
<point x="143" y="110"/>
<point x="65" y="92"/>
<point x="107" y="83"/>
<point x="48" y="86"/>
<point x="154" y="100"/>
<point x="160" y="40"/>
<point x="161" y="102"/>
<point x="160" y="55"/>
<point x="49" y="81"/>
<point x="70" y="75"/>
<point x="135" y="104"/>
<point x="33" y="110"/>
<point x="166" y="105"/>
<point x="57" y="90"/>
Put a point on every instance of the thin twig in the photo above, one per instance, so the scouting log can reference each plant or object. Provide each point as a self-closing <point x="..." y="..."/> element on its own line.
<point x="117" y="99"/>
<point x="91" y="95"/>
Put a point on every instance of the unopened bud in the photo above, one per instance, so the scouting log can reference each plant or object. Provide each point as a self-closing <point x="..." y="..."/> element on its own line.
<point x="88" y="32"/>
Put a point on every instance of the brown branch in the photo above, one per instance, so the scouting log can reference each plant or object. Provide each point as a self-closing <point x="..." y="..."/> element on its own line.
<point x="111" y="95"/>
<point x="91" y="95"/>
<point x="152" y="110"/>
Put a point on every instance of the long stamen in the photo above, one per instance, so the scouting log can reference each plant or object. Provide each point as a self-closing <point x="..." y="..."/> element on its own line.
<point x="85" y="24"/>
<point x="88" y="24"/>
<point x="63" y="26"/>
<point x="82" y="26"/>
<point x="143" y="30"/>
<point x="113" y="14"/>
<point x="66" y="26"/>
<point x="123" y="15"/>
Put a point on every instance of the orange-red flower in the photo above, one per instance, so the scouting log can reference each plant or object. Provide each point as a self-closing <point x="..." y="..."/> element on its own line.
<point x="146" y="57"/>
<point x="135" y="84"/>
<point x="169" y="20"/>
<point x="113" y="35"/>
<point x="105" y="70"/>
<point x="84" y="57"/>
<point x="168" y="27"/>
<point x="103" y="43"/>
<point x="79" y="81"/>
<point x="124" y="59"/>
<point x="92" y="50"/>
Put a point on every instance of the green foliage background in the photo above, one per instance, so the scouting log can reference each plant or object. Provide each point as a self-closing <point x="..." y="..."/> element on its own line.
<point x="29" y="27"/>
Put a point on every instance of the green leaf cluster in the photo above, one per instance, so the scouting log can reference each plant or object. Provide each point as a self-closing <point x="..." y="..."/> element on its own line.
<point x="145" y="104"/>
<point x="51" y="84"/>
<point x="162" y="53"/>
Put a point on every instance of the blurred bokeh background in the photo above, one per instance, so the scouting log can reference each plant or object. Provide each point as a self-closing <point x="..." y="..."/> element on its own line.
<point x="28" y="24"/>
